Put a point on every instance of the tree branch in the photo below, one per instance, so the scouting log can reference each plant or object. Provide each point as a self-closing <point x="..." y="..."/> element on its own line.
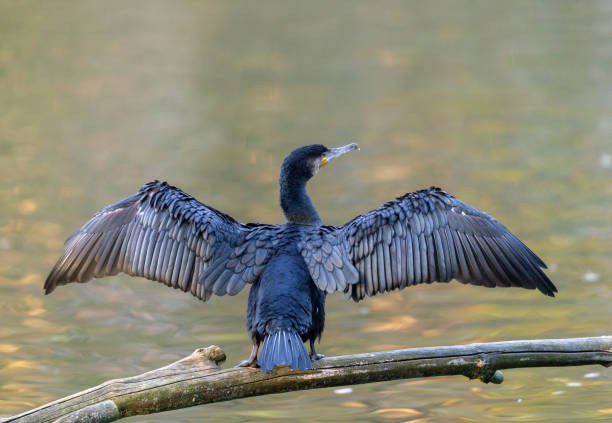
<point x="198" y="379"/>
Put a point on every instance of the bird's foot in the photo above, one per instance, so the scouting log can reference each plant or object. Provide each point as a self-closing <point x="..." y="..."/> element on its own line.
<point x="252" y="360"/>
<point x="315" y="356"/>
<point x="248" y="363"/>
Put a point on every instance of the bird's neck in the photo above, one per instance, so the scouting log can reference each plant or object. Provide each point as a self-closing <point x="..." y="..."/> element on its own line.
<point x="296" y="203"/>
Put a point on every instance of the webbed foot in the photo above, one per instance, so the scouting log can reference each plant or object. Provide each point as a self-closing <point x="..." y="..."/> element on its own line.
<point x="248" y="363"/>
<point x="315" y="356"/>
<point x="252" y="360"/>
<point x="313" y="352"/>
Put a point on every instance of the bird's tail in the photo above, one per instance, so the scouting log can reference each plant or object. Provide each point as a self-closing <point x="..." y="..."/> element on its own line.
<point x="283" y="346"/>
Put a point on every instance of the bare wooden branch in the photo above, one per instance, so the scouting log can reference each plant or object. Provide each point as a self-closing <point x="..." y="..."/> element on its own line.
<point x="198" y="379"/>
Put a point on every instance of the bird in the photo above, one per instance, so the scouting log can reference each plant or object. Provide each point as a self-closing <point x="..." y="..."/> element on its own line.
<point x="163" y="234"/>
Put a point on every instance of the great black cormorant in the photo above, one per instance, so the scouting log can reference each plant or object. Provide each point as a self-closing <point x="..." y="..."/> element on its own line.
<point x="163" y="234"/>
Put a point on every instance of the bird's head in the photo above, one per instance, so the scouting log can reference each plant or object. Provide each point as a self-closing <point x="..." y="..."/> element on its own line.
<point x="304" y="162"/>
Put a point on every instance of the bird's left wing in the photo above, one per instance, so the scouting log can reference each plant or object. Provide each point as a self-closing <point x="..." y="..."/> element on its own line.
<point x="163" y="234"/>
<point x="422" y="237"/>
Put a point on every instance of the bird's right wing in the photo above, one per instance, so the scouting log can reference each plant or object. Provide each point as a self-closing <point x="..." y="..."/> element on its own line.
<point x="422" y="237"/>
<point x="163" y="234"/>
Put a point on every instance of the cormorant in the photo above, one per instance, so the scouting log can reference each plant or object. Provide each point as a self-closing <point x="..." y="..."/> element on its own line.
<point x="163" y="234"/>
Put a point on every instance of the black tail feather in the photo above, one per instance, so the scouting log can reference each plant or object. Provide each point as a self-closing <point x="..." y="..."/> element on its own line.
<point x="284" y="347"/>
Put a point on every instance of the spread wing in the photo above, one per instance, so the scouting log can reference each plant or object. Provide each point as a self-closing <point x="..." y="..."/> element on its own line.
<point x="163" y="234"/>
<point x="422" y="237"/>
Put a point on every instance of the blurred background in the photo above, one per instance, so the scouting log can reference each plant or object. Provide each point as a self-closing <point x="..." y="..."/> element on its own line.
<point x="507" y="105"/>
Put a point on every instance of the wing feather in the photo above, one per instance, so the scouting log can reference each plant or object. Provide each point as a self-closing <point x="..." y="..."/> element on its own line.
<point x="422" y="237"/>
<point x="163" y="234"/>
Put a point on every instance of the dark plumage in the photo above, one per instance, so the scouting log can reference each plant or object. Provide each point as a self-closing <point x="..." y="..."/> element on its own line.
<point x="163" y="234"/>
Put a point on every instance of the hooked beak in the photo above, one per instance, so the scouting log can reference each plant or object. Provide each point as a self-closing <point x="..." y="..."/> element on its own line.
<point x="337" y="152"/>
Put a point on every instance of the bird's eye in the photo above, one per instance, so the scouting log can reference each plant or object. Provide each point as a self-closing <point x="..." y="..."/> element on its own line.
<point x="323" y="155"/>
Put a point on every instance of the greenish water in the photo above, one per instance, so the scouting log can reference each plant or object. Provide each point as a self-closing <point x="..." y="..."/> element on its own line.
<point x="507" y="105"/>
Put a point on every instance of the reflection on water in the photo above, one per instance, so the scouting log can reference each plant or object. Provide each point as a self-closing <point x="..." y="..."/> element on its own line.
<point x="505" y="105"/>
